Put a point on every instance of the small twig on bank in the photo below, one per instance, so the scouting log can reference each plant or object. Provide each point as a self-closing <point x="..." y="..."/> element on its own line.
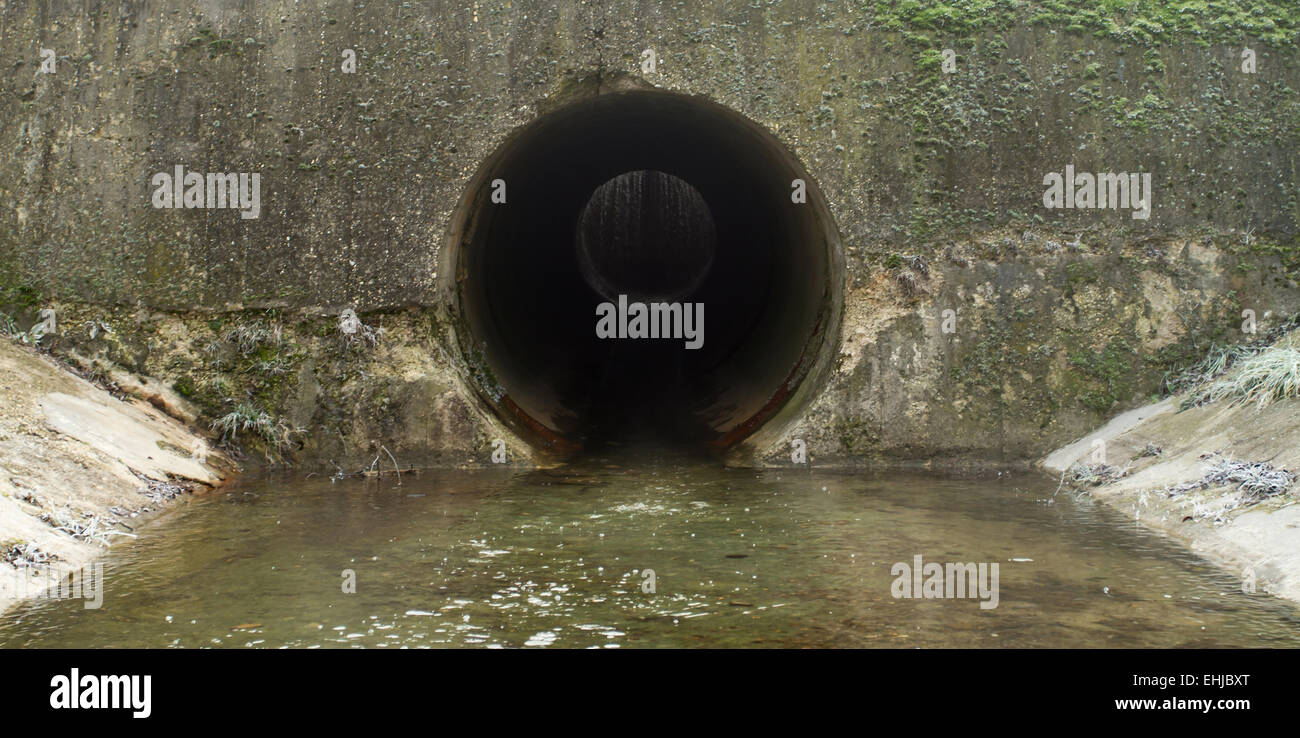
<point x="26" y="555"/>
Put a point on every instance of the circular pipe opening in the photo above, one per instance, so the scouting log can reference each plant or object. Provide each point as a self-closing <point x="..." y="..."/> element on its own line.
<point x="647" y="235"/>
<point x="654" y="199"/>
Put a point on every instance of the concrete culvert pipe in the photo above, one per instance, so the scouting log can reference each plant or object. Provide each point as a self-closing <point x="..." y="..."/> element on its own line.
<point x="643" y="196"/>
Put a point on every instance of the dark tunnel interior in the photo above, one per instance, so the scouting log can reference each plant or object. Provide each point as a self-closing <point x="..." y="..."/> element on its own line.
<point x="662" y="198"/>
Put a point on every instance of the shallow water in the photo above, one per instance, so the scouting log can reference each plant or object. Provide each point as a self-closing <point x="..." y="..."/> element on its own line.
<point x="557" y="559"/>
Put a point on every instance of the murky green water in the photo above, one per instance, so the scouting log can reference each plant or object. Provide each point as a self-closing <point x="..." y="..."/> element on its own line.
<point x="740" y="558"/>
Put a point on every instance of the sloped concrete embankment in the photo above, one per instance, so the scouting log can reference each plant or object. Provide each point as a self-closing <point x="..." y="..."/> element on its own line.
<point x="1157" y="448"/>
<point x="80" y="468"/>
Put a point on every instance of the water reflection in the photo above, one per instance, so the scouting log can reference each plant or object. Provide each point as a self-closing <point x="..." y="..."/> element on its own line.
<point x="603" y="555"/>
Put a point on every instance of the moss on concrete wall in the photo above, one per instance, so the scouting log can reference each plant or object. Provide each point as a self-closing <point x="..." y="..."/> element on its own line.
<point x="361" y="174"/>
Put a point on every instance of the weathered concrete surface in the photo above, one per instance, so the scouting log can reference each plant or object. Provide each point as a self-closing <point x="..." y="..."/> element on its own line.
<point x="361" y="174"/>
<point x="1066" y="456"/>
<point x="71" y="452"/>
<point x="137" y="446"/>
<point x="1048" y="343"/>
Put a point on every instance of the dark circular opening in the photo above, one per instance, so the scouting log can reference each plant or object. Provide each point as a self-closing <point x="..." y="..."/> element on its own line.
<point x="653" y="199"/>
<point x="647" y="235"/>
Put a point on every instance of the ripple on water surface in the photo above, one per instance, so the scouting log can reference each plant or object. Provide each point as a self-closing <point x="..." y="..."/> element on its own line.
<point x="599" y="555"/>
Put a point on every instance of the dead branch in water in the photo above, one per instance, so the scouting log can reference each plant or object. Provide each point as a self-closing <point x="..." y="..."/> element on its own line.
<point x="396" y="469"/>
<point x="373" y="469"/>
